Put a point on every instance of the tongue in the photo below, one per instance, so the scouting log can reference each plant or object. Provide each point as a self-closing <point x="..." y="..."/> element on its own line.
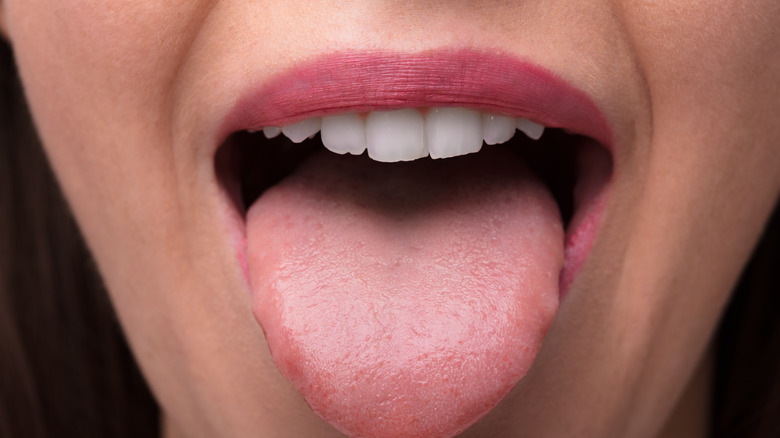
<point x="405" y="299"/>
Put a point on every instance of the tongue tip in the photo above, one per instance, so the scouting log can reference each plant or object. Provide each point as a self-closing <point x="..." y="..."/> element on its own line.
<point x="425" y="391"/>
<point x="428" y="409"/>
<point x="428" y="424"/>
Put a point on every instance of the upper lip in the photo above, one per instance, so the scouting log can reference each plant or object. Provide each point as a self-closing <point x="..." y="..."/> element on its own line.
<point x="366" y="81"/>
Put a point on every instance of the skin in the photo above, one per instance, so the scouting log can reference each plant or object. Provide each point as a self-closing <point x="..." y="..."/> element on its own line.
<point x="124" y="94"/>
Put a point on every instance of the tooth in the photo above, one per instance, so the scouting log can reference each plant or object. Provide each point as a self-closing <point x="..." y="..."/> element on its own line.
<point x="498" y="129"/>
<point x="271" y="131"/>
<point x="395" y="135"/>
<point x="531" y="129"/>
<point x="298" y="132"/>
<point x="344" y="134"/>
<point x="453" y="131"/>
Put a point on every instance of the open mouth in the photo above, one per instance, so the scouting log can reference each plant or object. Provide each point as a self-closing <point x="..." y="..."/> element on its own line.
<point x="405" y="278"/>
<point x="575" y="168"/>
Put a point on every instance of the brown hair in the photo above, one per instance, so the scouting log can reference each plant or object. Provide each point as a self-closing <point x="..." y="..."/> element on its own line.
<point x="65" y="369"/>
<point x="747" y="374"/>
<point x="67" y="372"/>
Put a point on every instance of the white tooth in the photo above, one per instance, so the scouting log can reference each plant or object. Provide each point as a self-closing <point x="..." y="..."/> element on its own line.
<point x="395" y="135"/>
<point x="531" y="129"/>
<point x="453" y="131"/>
<point x="298" y="132"/>
<point x="498" y="129"/>
<point x="344" y="134"/>
<point x="271" y="131"/>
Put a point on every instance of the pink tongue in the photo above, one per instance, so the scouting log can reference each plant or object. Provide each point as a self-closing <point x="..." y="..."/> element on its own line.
<point x="405" y="299"/>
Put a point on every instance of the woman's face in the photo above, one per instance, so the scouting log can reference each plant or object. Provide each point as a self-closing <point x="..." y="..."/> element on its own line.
<point x="135" y="103"/>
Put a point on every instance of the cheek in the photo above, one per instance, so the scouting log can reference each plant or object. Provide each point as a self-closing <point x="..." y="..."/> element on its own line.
<point x="91" y="67"/>
<point x="98" y="77"/>
<point x="707" y="55"/>
<point x="710" y="70"/>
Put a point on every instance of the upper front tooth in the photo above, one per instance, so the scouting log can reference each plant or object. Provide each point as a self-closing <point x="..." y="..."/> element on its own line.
<point x="531" y="129"/>
<point x="300" y="131"/>
<point x="271" y="131"/>
<point x="498" y="129"/>
<point x="344" y="134"/>
<point x="453" y="131"/>
<point x="405" y="134"/>
<point x="396" y="135"/>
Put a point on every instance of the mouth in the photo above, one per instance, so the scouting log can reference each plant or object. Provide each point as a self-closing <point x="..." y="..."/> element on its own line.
<point x="360" y="186"/>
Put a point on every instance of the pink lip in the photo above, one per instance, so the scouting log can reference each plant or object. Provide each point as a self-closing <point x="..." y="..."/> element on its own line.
<point x="356" y="82"/>
<point x="492" y="82"/>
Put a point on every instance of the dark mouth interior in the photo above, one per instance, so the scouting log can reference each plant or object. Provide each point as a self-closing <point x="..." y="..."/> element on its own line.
<point x="248" y="164"/>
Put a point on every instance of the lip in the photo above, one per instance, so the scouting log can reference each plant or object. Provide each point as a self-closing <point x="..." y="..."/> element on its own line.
<point x="488" y="81"/>
<point x="366" y="81"/>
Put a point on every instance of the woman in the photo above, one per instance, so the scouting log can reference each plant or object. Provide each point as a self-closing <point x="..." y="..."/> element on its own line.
<point x="565" y="287"/>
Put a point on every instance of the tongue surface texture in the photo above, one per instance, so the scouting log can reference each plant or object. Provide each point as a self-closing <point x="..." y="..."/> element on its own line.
<point x="405" y="300"/>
